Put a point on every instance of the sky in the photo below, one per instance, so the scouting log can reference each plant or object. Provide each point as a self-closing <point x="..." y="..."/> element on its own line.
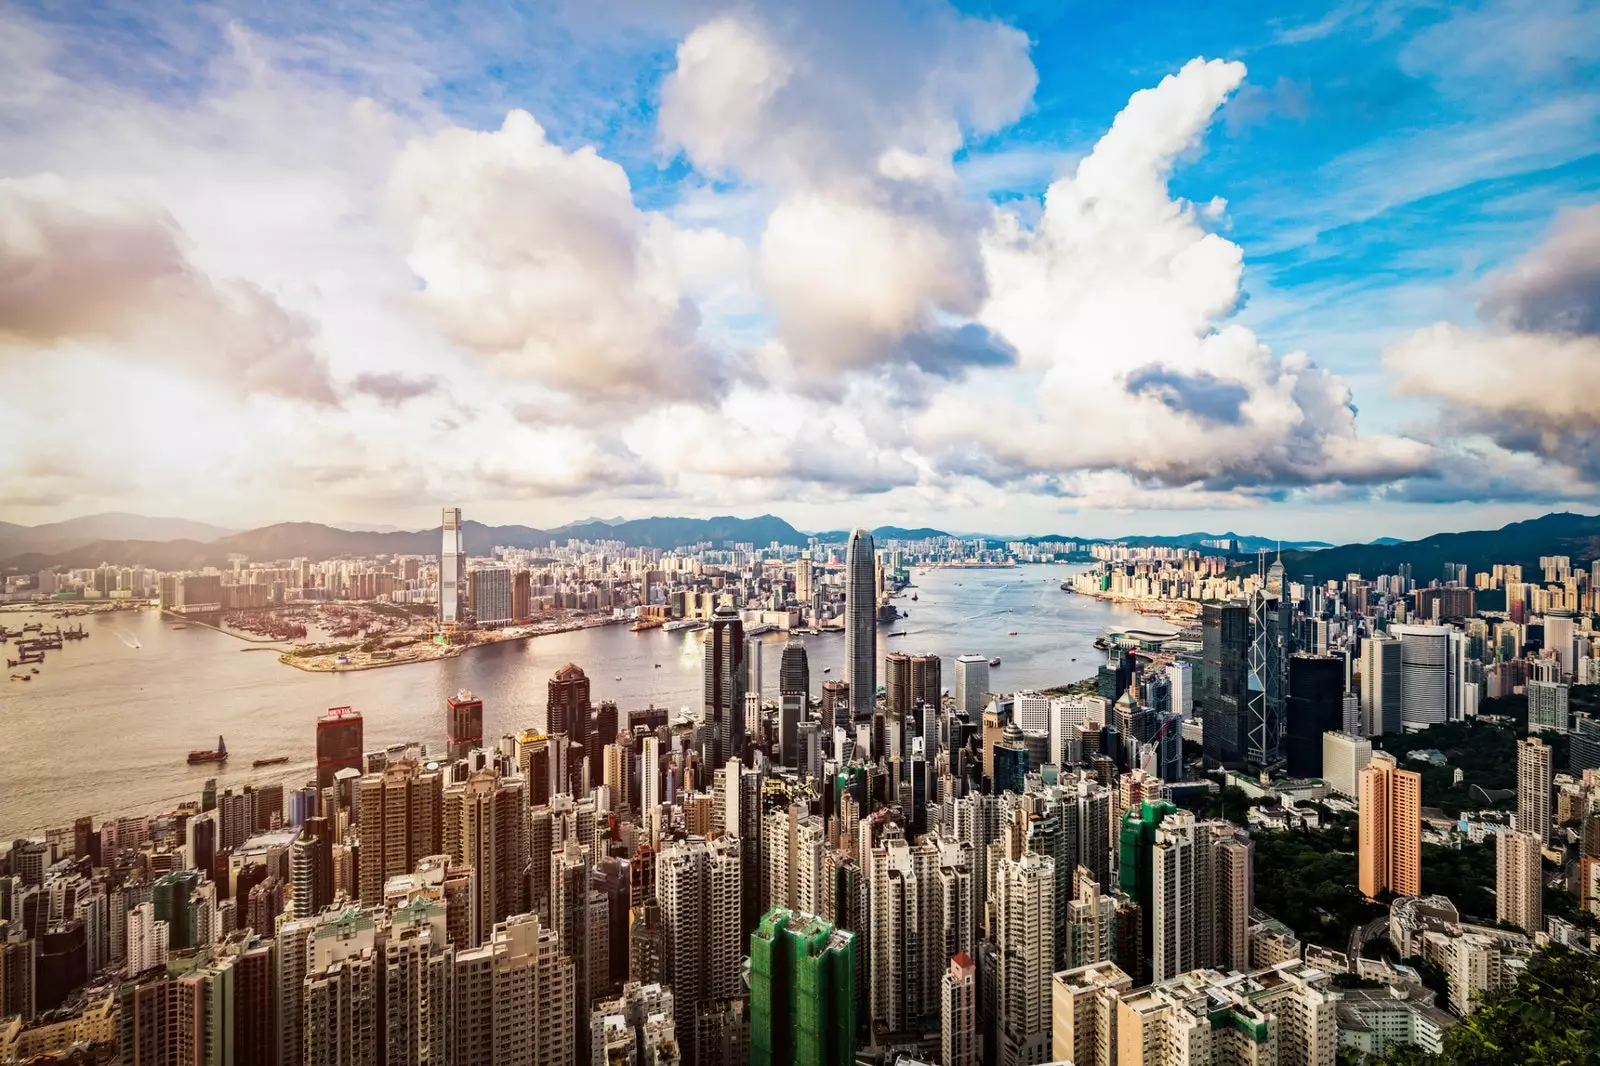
<point x="1017" y="267"/>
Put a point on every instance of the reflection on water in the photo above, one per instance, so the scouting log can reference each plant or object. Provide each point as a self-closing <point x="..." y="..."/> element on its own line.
<point x="105" y="725"/>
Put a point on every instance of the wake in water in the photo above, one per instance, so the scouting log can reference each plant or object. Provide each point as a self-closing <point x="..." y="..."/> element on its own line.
<point x="130" y="641"/>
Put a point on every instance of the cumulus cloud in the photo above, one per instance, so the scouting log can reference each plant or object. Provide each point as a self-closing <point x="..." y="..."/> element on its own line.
<point x="1116" y="303"/>
<point x="869" y="240"/>
<point x="1529" y="379"/>
<point x="78" y="267"/>
<point x="538" y="258"/>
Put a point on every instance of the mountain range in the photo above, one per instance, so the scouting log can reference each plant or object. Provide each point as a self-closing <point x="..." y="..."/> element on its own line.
<point x="176" y="543"/>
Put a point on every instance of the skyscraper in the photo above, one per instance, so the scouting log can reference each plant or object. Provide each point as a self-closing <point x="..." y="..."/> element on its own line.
<point x="400" y="810"/>
<point x="514" y="998"/>
<point x="794" y="693"/>
<point x="1533" y="787"/>
<point x="1315" y="706"/>
<point x="699" y="889"/>
<point x="861" y="626"/>
<point x="1382" y="691"/>
<point x="958" y="1012"/>
<point x="1425" y="674"/>
<point x="452" y="571"/>
<point x="972" y="684"/>
<point x="726" y="679"/>
<point x="1224" y="690"/>
<point x="463" y="724"/>
<point x="489" y="595"/>
<point x="567" y="713"/>
<point x="802" y="991"/>
<point x="1389" y="828"/>
<point x="487" y="829"/>
<point x="1519" y="880"/>
<point x="339" y="743"/>
<point x="1024" y="904"/>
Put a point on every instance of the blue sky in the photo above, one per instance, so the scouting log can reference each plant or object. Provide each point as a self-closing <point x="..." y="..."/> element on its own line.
<point x="1378" y="167"/>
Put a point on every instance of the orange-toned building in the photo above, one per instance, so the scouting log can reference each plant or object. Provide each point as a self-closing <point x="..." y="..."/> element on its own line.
<point x="1390" y="833"/>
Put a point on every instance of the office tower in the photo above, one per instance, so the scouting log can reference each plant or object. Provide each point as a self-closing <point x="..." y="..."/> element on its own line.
<point x="861" y="627"/>
<point x="958" y="1012"/>
<point x="794" y="694"/>
<point x="802" y="991"/>
<point x="1315" y="706"/>
<point x="722" y="723"/>
<point x="1084" y="1002"/>
<point x="1519" y="880"/>
<point x="1180" y="676"/>
<point x="567" y="714"/>
<point x="835" y="705"/>
<point x="489" y="596"/>
<point x="927" y="680"/>
<point x="463" y="724"/>
<point x="400" y="811"/>
<point x="972" y="684"/>
<point x="1224" y="692"/>
<point x="1382" y="684"/>
<point x="1558" y="633"/>
<point x="897" y="701"/>
<point x="452" y="571"/>
<point x="1533" y="787"/>
<point x="1425" y="674"/>
<point x="1271" y="616"/>
<point x="698" y="888"/>
<point x="521" y="597"/>
<point x="514" y="998"/>
<point x="1344" y="756"/>
<point x="339" y="743"/>
<point x="1548" y="707"/>
<point x="1389" y="828"/>
<point x="1024" y="894"/>
<point x="311" y="868"/>
<point x="533" y="763"/>
<point x="486" y="829"/>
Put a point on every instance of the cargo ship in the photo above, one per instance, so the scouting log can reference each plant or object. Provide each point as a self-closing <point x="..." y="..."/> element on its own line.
<point x="276" y="760"/>
<point x="218" y="754"/>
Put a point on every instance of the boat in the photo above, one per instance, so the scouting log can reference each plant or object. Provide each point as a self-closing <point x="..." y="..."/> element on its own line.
<point x="995" y="661"/>
<point x="658" y="666"/>
<point x="21" y="677"/>
<point x="619" y="677"/>
<point x="898" y="633"/>
<point x="827" y="669"/>
<point x="682" y="623"/>
<point x="276" y="760"/>
<point x="217" y="754"/>
<point x="36" y="669"/>
<point x="179" y="627"/>
<point x="1012" y="633"/>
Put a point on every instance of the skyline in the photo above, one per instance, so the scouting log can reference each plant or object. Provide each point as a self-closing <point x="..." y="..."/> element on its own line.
<point x="1018" y="273"/>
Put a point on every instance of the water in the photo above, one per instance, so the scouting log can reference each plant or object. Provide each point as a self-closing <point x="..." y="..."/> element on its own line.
<point x="105" y="725"/>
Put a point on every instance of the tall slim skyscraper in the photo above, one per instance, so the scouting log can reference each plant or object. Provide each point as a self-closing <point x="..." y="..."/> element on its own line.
<point x="802" y="991"/>
<point x="958" y="1012"/>
<point x="1533" y="787"/>
<point x="1224" y="687"/>
<point x="699" y="889"/>
<point x="452" y="571"/>
<point x="1389" y="836"/>
<point x="972" y="684"/>
<point x="726" y="678"/>
<point x="794" y="693"/>
<point x="486" y="828"/>
<point x="1519" y="880"/>
<point x="567" y="713"/>
<point x="861" y="626"/>
<point x="463" y="724"/>
<point x="1025" y="920"/>
<point x="1382" y="685"/>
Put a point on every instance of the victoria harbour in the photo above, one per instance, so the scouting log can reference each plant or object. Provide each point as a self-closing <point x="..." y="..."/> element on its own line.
<point x="128" y="703"/>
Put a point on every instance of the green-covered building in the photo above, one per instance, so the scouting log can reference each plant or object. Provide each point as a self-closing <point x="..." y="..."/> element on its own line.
<point x="802" y="991"/>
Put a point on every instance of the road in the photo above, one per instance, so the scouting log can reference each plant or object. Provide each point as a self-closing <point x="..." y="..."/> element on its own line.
<point x="1363" y="933"/>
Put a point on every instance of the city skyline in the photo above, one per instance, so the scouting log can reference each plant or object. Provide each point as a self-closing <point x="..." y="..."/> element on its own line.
<point x="310" y="226"/>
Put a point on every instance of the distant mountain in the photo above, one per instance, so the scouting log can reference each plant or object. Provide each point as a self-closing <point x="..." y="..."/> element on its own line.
<point x="881" y="533"/>
<point x="288" y="540"/>
<point x="54" y="537"/>
<point x="1386" y="540"/>
<point x="1563" y="533"/>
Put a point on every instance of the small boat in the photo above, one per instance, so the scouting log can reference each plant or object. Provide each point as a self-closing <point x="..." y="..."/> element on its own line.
<point x="21" y="677"/>
<point x="913" y="597"/>
<point x="217" y="754"/>
<point x="179" y="627"/>
<point x="619" y="677"/>
<point x="36" y="669"/>
<point x="827" y="669"/>
<point x="898" y="633"/>
<point x="1012" y="633"/>
<point x="995" y="661"/>
<point x="276" y="760"/>
<point x="658" y="666"/>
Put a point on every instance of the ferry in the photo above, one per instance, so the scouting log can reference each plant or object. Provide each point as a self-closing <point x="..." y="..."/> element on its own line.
<point x="276" y="760"/>
<point x="217" y="754"/>
<point x="682" y="623"/>
<point x="995" y="661"/>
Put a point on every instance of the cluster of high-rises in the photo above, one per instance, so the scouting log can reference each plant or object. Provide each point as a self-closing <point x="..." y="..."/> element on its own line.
<point x="885" y="863"/>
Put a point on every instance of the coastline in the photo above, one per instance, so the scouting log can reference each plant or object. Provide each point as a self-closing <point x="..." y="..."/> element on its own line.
<point x="425" y="651"/>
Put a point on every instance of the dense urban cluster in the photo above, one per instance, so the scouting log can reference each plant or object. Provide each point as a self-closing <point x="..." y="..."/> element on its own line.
<point x="892" y="865"/>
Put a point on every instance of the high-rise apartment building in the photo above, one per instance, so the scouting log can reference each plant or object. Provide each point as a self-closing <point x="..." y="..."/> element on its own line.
<point x="486" y="828"/>
<point x="698" y="887"/>
<point x="1389" y="828"/>
<point x="958" y="1012"/>
<point x="904" y="938"/>
<point x="452" y="571"/>
<point x="1519" y="881"/>
<point x="1024" y="896"/>
<point x="514" y="998"/>
<point x="1548" y="707"/>
<point x="1533" y="787"/>
<point x="489" y="596"/>
<point x="400" y="812"/>
<point x="1083" y="1013"/>
<point x="861" y="626"/>
<point x="802" y="991"/>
